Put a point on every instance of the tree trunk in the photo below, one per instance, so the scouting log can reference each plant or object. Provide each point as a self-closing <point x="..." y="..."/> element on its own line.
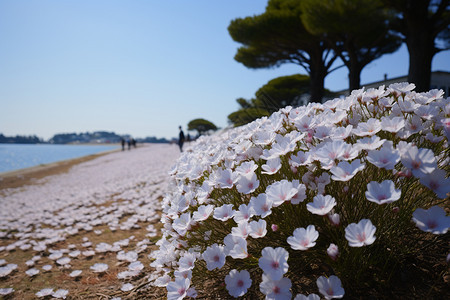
<point x="354" y="70"/>
<point x="420" y="42"/>
<point x="317" y="74"/>
<point x="421" y="52"/>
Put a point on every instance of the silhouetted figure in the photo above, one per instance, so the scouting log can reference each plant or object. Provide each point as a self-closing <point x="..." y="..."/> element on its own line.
<point x="188" y="137"/>
<point x="129" y="143"/>
<point x="133" y="142"/>
<point x="181" y="139"/>
<point x="122" y="141"/>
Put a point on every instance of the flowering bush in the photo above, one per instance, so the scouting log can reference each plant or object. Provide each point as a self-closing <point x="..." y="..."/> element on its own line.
<point x="329" y="198"/>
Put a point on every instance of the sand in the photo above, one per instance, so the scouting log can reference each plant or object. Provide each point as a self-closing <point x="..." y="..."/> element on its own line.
<point x="106" y="203"/>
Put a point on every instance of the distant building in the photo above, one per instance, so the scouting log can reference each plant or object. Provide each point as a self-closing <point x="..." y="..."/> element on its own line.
<point x="439" y="80"/>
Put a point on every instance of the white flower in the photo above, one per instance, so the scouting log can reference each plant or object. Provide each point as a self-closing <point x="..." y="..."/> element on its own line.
<point x="334" y="219"/>
<point x="60" y="294"/>
<point x="47" y="267"/>
<point x="6" y="291"/>
<point x="6" y="270"/>
<point x="360" y="234"/>
<point x="300" y="195"/>
<point x="327" y="152"/>
<point x="321" y="205"/>
<point x="32" y="272"/>
<point x="276" y="289"/>
<point x="88" y="253"/>
<point x="392" y="124"/>
<point x="99" y="267"/>
<point x="419" y="161"/>
<point x="226" y="178"/>
<point x="241" y="230"/>
<point x="437" y="182"/>
<point x="203" y="212"/>
<point x="303" y="239"/>
<point x="400" y="88"/>
<point x="369" y="143"/>
<point x="333" y="251"/>
<point x="75" y="273"/>
<point x="309" y="297"/>
<point x="381" y="193"/>
<point x="432" y="220"/>
<point x="235" y="246"/>
<point x="63" y="261"/>
<point x="280" y="191"/>
<point x="224" y="212"/>
<point x="44" y="293"/>
<point x="128" y="256"/>
<point x="55" y="255"/>
<point x="330" y="287"/>
<point x="162" y="281"/>
<point x="247" y="168"/>
<point x="244" y="213"/>
<point x="126" y="287"/>
<point x="272" y="166"/>
<point x="184" y="274"/>
<point x="187" y="261"/>
<point x="341" y="133"/>
<point x="263" y="137"/>
<point x="75" y="253"/>
<point x="214" y="256"/>
<point x="176" y="290"/>
<point x="300" y="159"/>
<point x="136" y="266"/>
<point x="369" y="128"/>
<point x="385" y="158"/>
<point x="345" y="171"/>
<point x="182" y="224"/>
<point x="238" y="282"/>
<point x="258" y="229"/>
<point x="274" y="262"/>
<point x="261" y="205"/>
<point x="247" y="184"/>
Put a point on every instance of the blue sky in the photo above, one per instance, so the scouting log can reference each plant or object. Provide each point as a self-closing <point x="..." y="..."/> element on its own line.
<point x="134" y="67"/>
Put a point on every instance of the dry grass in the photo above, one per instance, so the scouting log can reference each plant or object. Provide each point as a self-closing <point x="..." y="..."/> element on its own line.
<point x="89" y="285"/>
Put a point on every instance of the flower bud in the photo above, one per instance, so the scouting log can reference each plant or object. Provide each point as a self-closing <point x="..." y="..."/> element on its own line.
<point x="405" y="173"/>
<point x="333" y="251"/>
<point x="396" y="209"/>
<point x="274" y="227"/>
<point x="294" y="169"/>
<point x="346" y="189"/>
<point x="335" y="219"/>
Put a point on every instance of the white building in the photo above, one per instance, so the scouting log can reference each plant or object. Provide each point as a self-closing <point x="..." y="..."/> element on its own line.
<point x="439" y="80"/>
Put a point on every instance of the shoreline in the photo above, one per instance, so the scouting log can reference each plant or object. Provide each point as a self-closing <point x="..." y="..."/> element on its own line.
<point x="29" y="176"/>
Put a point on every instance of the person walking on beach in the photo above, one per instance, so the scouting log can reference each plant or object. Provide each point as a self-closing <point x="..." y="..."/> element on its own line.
<point x="122" y="141"/>
<point x="181" y="139"/>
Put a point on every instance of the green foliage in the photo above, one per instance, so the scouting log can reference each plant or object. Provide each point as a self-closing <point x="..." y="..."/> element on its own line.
<point x="201" y="126"/>
<point x="278" y="36"/>
<point x="246" y="115"/>
<point x="276" y="94"/>
<point x="358" y="31"/>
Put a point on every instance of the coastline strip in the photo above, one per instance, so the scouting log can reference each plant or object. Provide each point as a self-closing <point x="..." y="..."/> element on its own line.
<point x="29" y="176"/>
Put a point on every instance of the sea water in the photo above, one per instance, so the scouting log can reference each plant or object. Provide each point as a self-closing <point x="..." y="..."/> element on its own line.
<point x="20" y="156"/>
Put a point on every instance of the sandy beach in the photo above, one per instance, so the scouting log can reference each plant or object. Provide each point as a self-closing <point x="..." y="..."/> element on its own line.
<point x="69" y="216"/>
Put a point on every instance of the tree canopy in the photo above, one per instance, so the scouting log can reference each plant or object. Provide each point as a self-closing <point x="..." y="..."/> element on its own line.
<point x="357" y="30"/>
<point x="425" y="27"/>
<point x="278" y="36"/>
<point x="201" y="126"/>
